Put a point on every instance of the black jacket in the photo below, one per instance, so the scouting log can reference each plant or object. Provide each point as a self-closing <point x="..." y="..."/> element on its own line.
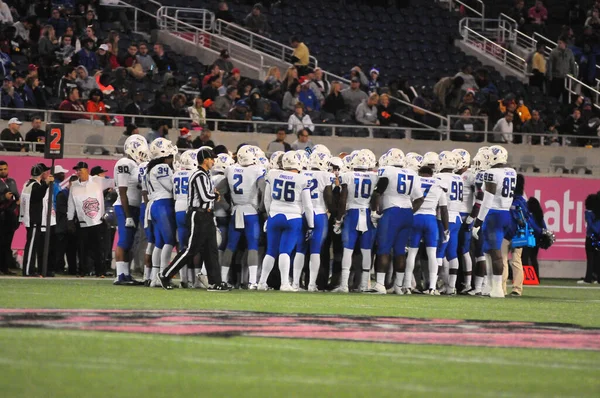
<point x="7" y="135"/>
<point x="8" y="185"/>
<point x="62" y="202"/>
<point x="35" y="135"/>
<point x="36" y="205"/>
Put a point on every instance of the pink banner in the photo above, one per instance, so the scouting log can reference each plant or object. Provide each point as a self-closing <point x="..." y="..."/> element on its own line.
<point x="19" y="168"/>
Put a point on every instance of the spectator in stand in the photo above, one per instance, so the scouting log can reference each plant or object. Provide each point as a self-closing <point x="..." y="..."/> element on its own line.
<point x="538" y="16"/>
<point x="256" y="21"/>
<point x="66" y="50"/>
<point x="22" y="31"/>
<point x="224" y="103"/>
<point x="12" y="133"/>
<point x="224" y="63"/>
<point x="86" y="56"/>
<point x="310" y="76"/>
<point x="586" y="52"/>
<point x="215" y="71"/>
<point x="163" y="62"/>
<point x="465" y="127"/>
<point x="366" y="112"/>
<point x="58" y="22"/>
<point x="469" y="82"/>
<point x="560" y="64"/>
<point x="90" y="33"/>
<point x="301" y="55"/>
<point x="290" y="99"/>
<point x="523" y="112"/>
<point x="334" y="107"/>
<point x="129" y="58"/>
<point x="95" y="104"/>
<point x="85" y="82"/>
<point x="571" y="126"/>
<point x="179" y="104"/>
<point x="211" y="90"/>
<point x="504" y="129"/>
<point x="48" y="44"/>
<point x="386" y="112"/>
<point x="303" y="141"/>
<point x="67" y="82"/>
<point x="131" y="129"/>
<point x="73" y="104"/>
<point x="519" y="13"/>
<point x="299" y="120"/>
<point x="374" y="83"/>
<point x="291" y="75"/>
<point x="159" y="129"/>
<point x="191" y="89"/>
<point x="204" y="139"/>
<point x="185" y="139"/>
<point x="594" y="19"/>
<point x="113" y="63"/>
<point x="322" y="85"/>
<point x="224" y="13"/>
<point x="308" y="97"/>
<point x="10" y="99"/>
<point x="353" y="96"/>
<point x="36" y="135"/>
<point x="103" y="57"/>
<point x="135" y="108"/>
<point x="235" y="78"/>
<point x="279" y="144"/>
<point x="75" y="42"/>
<point x="469" y="102"/>
<point x="272" y="87"/>
<point x="144" y="59"/>
<point x="162" y="106"/>
<point x="197" y="113"/>
<point x="33" y="95"/>
<point x="448" y="92"/>
<point x="538" y="67"/>
<point x="535" y="125"/>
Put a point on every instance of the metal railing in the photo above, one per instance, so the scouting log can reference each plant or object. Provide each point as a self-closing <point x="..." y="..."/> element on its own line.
<point x="452" y="119"/>
<point x="517" y="37"/>
<point x="574" y="86"/>
<point x="480" y="12"/>
<point x="257" y="42"/>
<point x="136" y="12"/>
<point x="498" y="30"/>
<point x="493" y="50"/>
<point x="199" y="17"/>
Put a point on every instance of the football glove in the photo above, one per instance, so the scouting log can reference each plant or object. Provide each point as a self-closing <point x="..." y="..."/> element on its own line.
<point x="129" y="223"/>
<point x="476" y="232"/>
<point x="337" y="227"/>
<point x="375" y="218"/>
<point x="446" y="236"/>
<point x="309" y="234"/>
<point x="265" y="226"/>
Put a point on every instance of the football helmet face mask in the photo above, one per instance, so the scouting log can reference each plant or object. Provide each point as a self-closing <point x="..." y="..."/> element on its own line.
<point x="275" y="161"/>
<point x="413" y="161"/>
<point x="304" y="155"/>
<point x="136" y="147"/>
<point x="430" y="159"/>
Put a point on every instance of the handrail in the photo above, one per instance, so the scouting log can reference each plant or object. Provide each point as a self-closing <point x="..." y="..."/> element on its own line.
<point x="207" y="19"/>
<point x="496" y="51"/>
<point x="477" y="12"/>
<point x="136" y="10"/>
<point x="573" y="86"/>
<point x="257" y="42"/>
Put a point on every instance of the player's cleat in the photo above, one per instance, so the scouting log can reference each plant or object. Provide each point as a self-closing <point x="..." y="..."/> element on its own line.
<point x="132" y="282"/>
<point x="155" y="283"/>
<point x="121" y="280"/>
<point x="402" y="291"/>
<point x="312" y="289"/>
<point x="253" y="286"/>
<point x="583" y="282"/>
<point x="497" y="292"/>
<point x="486" y="290"/>
<point x="431" y="292"/>
<point x="286" y="288"/>
<point x="377" y="288"/>
<point x="515" y="294"/>
<point x="450" y="292"/>
<point x="221" y="287"/>
<point x="466" y="290"/>
<point x="147" y="282"/>
<point x="163" y="282"/>
<point x="340" y="289"/>
<point x="297" y="288"/>
<point x="474" y="292"/>
<point x="201" y="281"/>
<point x="184" y="285"/>
<point x="416" y="291"/>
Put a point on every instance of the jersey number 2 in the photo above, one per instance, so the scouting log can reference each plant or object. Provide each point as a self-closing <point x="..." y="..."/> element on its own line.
<point x="236" y="186"/>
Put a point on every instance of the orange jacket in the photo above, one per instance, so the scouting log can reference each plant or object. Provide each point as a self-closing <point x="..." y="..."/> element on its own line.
<point x="98" y="108"/>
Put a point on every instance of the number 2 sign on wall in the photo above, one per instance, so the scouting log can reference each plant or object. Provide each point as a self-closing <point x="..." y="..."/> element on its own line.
<point x="55" y="140"/>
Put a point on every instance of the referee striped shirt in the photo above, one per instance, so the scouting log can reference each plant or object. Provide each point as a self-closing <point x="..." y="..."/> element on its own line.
<point x="201" y="192"/>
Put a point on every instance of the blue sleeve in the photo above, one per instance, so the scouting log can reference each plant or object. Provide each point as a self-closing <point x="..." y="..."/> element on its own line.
<point x="19" y="103"/>
<point x="56" y="190"/>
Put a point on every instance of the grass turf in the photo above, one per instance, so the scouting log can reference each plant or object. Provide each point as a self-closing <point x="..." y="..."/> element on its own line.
<point x="74" y="363"/>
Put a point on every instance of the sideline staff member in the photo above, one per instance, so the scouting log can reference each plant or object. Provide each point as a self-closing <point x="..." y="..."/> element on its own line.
<point x="203" y="230"/>
<point x="9" y="220"/>
<point x="86" y="199"/>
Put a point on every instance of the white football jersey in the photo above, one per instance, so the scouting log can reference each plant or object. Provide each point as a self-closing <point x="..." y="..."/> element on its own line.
<point x="360" y="188"/>
<point x="434" y="195"/>
<point x="243" y="186"/>
<point x="286" y="193"/>
<point x="318" y="181"/>
<point x="505" y="179"/>
<point x="181" y="182"/>
<point x="220" y="182"/>
<point x="403" y="187"/>
<point x="454" y="191"/>
<point x="160" y="182"/>
<point x="479" y="182"/>
<point x="126" y="176"/>
<point x="468" y="191"/>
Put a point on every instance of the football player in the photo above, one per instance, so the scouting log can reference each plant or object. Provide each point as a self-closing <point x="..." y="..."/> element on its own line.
<point x="397" y="195"/>
<point x="222" y="207"/>
<point x="145" y="221"/>
<point x="287" y="197"/>
<point x="128" y="204"/>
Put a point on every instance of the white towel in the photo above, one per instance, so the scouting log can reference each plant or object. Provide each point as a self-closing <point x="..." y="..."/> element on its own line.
<point x="361" y="225"/>
<point x="239" y="219"/>
<point x="148" y="215"/>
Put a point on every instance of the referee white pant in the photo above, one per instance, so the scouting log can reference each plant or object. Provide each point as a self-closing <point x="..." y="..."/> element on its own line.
<point x="202" y="241"/>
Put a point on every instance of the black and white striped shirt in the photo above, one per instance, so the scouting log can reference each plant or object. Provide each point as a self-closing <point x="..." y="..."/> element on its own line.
<point x="201" y="191"/>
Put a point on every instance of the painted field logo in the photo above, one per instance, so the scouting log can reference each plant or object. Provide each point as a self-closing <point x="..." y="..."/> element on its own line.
<point x="326" y="327"/>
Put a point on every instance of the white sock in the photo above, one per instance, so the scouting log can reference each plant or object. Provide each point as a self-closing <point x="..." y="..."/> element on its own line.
<point x="149" y="248"/>
<point x="401" y="277"/>
<point x="155" y="258"/>
<point x="147" y="272"/>
<point x="314" y="266"/>
<point x="346" y="264"/>
<point x="366" y="268"/>
<point x="453" y="265"/>
<point x="165" y="256"/>
<point x="191" y="275"/>
<point x="445" y="271"/>
<point x="267" y="267"/>
<point x="496" y="281"/>
<point x="410" y="267"/>
<point x="284" y="268"/>
<point x="298" y="266"/>
<point x="478" y="283"/>
<point x="488" y="269"/>
<point x="183" y="274"/>
<point x="122" y="268"/>
<point x="381" y="278"/>
<point x="203" y="269"/>
<point x="153" y="273"/>
<point x="252" y="271"/>
<point x="433" y="267"/>
<point x="224" y="273"/>
<point x="468" y="268"/>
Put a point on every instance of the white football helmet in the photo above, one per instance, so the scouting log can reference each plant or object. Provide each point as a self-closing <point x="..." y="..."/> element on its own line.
<point x="318" y="161"/>
<point x="222" y="161"/>
<point x="395" y="157"/>
<point x="259" y="152"/>
<point x="498" y="155"/>
<point x="162" y="148"/>
<point x="246" y="156"/>
<point x="481" y="161"/>
<point x="430" y="159"/>
<point x="413" y="161"/>
<point x="372" y="159"/>
<point x="360" y="161"/>
<point x="292" y="160"/>
<point x="336" y="161"/>
<point x="263" y="161"/>
<point x="136" y="147"/>
<point x="382" y="162"/>
<point x="464" y="158"/>
<point x="188" y="160"/>
<point x="321" y="148"/>
<point x="275" y="161"/>
<point x="304" y="156"/>
<point x="447" y="160"/>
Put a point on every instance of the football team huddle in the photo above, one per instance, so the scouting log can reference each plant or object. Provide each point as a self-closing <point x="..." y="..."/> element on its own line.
<point x="387" y="212"/>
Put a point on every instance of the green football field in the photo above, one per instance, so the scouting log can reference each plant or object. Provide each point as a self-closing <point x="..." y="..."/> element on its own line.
<point x="62" y="357"/>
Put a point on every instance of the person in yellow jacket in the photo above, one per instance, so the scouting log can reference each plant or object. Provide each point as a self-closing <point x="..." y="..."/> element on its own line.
<point x="520" y="110"/>
<point x="301" y="55"/>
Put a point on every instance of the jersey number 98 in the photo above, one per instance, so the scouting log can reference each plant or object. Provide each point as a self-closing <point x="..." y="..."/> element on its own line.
<point x="456" y="191"/>
<point x="285" y="190"/>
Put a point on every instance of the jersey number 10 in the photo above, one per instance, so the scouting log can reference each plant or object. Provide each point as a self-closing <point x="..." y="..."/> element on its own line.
<point x="364" y="186"/>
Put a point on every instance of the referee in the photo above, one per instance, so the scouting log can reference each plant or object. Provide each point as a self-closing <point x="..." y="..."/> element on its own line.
<point x="203" y="230"/>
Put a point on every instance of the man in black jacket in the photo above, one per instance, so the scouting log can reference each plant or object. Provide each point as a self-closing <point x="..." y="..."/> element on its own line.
<point x="32" y="214"/>
<point x="12" y="133"/>
<point x="9" y="220"/>
<point x="58" y="239"/>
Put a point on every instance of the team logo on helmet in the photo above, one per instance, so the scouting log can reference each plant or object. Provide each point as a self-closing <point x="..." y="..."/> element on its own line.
<point x="495" y="151"/>
<point x="91" y="207"/>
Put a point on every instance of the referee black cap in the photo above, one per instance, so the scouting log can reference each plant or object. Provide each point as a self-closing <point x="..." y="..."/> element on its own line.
<point x="205" y="154"/>
<point x="39" y="169"/>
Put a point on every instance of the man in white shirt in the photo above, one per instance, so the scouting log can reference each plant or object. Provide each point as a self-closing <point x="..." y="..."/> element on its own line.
<point x="504" y="127"/>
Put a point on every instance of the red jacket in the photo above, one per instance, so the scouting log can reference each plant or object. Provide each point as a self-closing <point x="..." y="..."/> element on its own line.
<point x="68" y="105"/>
<point x="97" y="108"/>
